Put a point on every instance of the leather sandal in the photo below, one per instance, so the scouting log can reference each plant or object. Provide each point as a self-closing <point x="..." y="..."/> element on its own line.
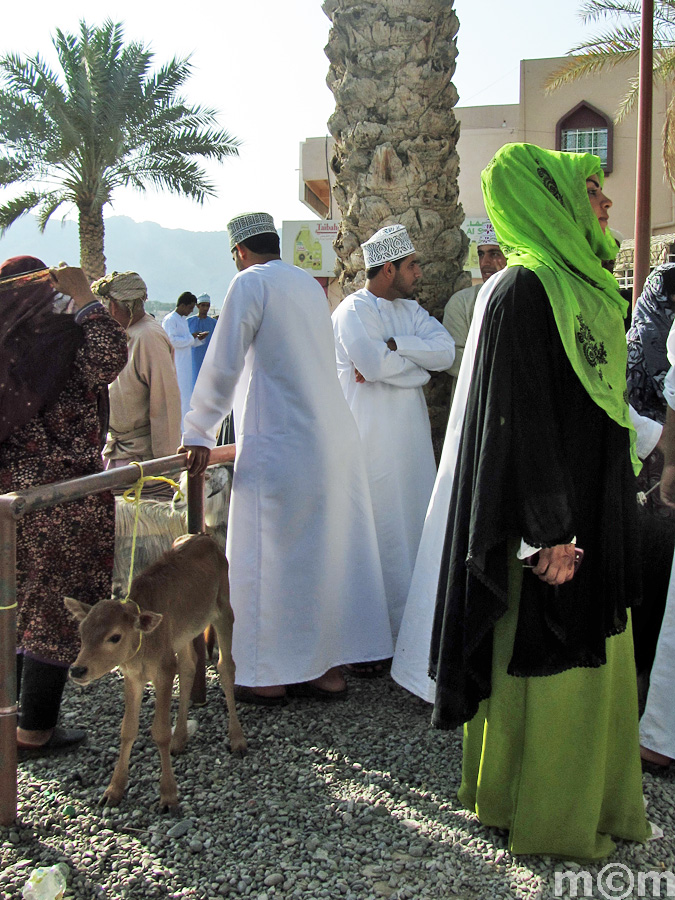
<point x="61" y="740"/>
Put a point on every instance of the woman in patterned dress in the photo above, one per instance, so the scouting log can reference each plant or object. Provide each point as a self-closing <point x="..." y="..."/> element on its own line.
<point x="647" y="366"/>
<point x="54" y="372"/>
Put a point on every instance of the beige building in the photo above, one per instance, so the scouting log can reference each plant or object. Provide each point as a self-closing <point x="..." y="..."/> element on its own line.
<point x="316" y="176"/>
<point x="576" y="116"/>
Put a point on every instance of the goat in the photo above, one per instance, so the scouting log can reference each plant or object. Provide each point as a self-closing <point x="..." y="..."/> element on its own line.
<point x="149" y="636"/>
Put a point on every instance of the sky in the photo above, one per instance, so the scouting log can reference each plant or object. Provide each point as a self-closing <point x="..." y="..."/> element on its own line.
<point x="261" y="65"/>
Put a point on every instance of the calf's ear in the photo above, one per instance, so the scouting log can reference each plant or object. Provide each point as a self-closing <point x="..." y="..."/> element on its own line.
<point x="147" y="621"/>
<point x="78" y="609"/>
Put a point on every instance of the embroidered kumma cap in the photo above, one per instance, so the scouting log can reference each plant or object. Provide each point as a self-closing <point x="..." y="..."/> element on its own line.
<point x="486" y="235"/>
<point x="387" y="245"/>
<point x="249" y="224"/>
<point x="203" y="298"/>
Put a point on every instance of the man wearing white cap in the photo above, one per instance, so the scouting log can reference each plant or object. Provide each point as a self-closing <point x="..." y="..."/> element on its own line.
<point x="199" y="324"/>
<point x="459" y="309"/>
<point x="176" y="326"/>
<point x="305" y="577"/>
<point x="386" y="346"/>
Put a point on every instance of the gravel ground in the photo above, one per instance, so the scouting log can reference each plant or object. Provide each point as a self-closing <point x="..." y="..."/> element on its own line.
<point x="350" y="801"/>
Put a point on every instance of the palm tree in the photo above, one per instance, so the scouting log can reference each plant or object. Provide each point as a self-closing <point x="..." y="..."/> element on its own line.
<point x="104" y="122"/>
<point x="621" y="43"/>
<point x="395" y="159"/>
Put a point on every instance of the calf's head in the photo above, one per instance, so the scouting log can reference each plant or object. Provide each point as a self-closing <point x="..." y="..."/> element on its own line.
<point x="111" y="633"/>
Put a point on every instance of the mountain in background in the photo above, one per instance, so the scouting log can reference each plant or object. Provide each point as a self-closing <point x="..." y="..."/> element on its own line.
<point x="169" y="260"/>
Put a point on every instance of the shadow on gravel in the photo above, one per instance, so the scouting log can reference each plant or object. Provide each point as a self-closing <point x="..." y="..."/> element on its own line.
<point x="353" y="800"/>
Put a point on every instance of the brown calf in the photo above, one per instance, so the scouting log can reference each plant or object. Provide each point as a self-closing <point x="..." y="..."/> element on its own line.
<point x="150" y="638"/>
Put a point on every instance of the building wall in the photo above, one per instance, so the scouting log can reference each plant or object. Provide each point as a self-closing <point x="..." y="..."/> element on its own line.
<point x="484" y="129"/>
<point x="316" y="176"/>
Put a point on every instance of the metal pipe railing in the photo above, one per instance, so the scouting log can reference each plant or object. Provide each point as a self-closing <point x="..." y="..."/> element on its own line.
<point x="15" y="506"/>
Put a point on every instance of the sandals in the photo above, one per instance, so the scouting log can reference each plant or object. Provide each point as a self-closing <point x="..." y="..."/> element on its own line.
<point x="309" y="691"/>
<point x="375" y="669"/>
<point x="249" y="695"/>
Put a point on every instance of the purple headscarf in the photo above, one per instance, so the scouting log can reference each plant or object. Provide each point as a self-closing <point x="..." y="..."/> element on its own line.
<point x="37" y="347"/>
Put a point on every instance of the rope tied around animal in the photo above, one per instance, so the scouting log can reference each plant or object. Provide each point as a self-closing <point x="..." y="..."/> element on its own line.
<point x="133" y="495"/>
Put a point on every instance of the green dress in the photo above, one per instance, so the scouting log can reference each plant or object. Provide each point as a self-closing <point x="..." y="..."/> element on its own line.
<point x="555" y="760"/>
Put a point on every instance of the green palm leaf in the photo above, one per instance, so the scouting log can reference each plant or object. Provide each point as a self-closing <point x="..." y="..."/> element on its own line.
<point x="619" y="43"/>
<point x="103" y="121"/>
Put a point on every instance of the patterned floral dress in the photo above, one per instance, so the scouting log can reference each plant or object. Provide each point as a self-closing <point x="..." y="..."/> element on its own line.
<point x="66" y="550"/>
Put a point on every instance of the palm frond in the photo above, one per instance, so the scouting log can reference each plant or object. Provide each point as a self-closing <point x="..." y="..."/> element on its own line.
<point x="179" y="176"/>
<point x="47" y="206"/>
<point x="17" y="207"/>
<point x="581" y="66"/>
<point x="593" y="10"/>
<point x="669" y="143"/>
<point x="664" y="65"/>
<point x="102" y="121"/>
<point x="618" y="40"/>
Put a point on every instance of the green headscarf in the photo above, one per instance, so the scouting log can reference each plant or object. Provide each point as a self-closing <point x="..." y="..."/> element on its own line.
<point x="537" y="201"/>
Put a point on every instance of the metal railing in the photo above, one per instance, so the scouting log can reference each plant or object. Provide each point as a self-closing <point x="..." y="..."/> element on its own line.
<point x="15" y="506"/>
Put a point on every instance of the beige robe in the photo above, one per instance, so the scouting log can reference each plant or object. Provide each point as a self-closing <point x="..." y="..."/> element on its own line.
<point x="145" y="409"/>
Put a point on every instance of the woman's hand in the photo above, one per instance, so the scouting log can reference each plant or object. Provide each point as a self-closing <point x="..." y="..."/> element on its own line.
<point x="555" y="565"/>
<point x="72" y="281"/>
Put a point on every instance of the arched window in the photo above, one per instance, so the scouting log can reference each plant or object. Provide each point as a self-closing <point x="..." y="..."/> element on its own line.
<point x="585" y="129"/>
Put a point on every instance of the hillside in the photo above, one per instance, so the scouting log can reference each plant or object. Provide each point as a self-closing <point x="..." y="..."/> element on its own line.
<point x="170" y="260"/>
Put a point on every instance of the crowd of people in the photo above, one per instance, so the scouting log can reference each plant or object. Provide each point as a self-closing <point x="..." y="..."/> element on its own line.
<point x="503" y="588"/>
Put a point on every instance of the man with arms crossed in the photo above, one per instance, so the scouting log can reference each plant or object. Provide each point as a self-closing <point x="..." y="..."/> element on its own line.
<point x="386" y="347"/>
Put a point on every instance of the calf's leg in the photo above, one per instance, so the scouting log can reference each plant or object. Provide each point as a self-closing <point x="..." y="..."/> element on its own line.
<point x="133" y="692"/>
<point x="161" y="734"/>
<point x="187" y="663"/>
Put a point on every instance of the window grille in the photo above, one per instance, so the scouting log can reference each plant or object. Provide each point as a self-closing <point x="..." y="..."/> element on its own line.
<point x="585" y="140"/>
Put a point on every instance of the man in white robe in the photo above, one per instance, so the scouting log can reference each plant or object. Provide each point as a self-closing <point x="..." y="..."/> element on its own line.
<point x="386" y="346"/>
<point x="176" y="326"/>
<point x="458" y="311"/>
<point x="305" y="577"/>
<point x="198" y="323"/>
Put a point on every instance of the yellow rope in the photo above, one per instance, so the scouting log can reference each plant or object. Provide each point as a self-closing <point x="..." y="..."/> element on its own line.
<point x="133" y="495"/>
<point x="140" y="633"/>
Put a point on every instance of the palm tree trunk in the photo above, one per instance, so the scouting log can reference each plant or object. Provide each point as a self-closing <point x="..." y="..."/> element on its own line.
<point x="92" y="231"/>
<point x="395" y="159"/>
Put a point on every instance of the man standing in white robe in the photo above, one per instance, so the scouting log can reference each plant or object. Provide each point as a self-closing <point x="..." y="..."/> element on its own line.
<point x="305" y="577"/>
<point x="178" y="331"/>
<point x="386" y="346"/>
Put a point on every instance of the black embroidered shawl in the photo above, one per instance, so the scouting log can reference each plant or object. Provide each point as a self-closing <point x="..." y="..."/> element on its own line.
<point x="538" y="459"/>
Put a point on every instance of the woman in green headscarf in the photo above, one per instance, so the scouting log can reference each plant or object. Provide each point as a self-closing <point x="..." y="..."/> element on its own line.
<point x="533" y="651"/>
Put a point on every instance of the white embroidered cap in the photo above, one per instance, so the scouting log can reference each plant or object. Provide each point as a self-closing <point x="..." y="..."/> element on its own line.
<point x="387" y="245"/>
<point x="486" y="235"/>
<point x="249" y="224"/>
<point x="203" y="298"/>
